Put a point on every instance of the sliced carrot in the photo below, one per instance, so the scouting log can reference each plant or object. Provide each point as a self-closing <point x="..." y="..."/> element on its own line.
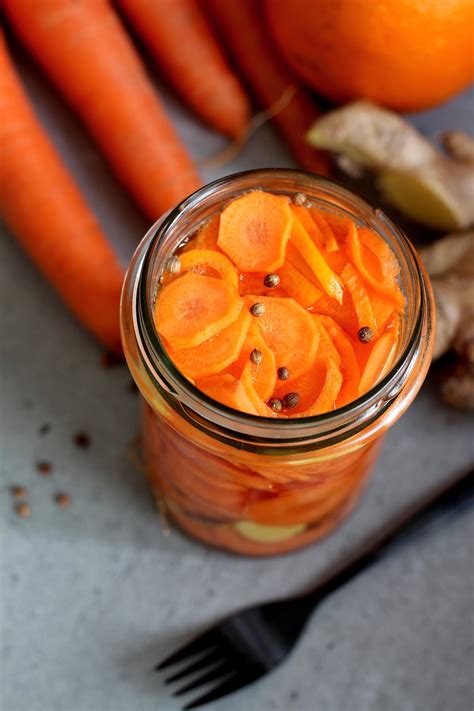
<point x="312" y="228"/>
<point x="344" y="314"/>
<point x="354" y="252"/>
<point x="348" y="364"/>
<point x="208" y="234"/>
<point x="263" y="374"/>
<point x="253" y="283"/>
<point x="339" y="225"/>
<point x="382" y="307"/>
<point x="229" y="391"/>
<point x="373" y="241"/>
<point x="297" y="286"/>
<point x="326" y="348"/>
<point x="215" y="354"/>
<point x="248" y="380"/>
<point x="326" y="277"/>
<point x="330" y="241"/>
<point x="378" y="362"/>
<point x="360" y="299"/>
<point x="194" y="308"/>
<point x="326" y="400"/>
<point x="308" y="386"/>
<point x="254" y="230"/>
<point x="290" y="332"/>
<point x="296" y="259"/>
<point x="208" y="262"/>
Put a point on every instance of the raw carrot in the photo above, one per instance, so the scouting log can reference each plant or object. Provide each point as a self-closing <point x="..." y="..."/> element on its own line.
<point x="228" y="391"/>
<point x="209" y="263"/>
<point x="194" y="308"/>
<point x="360" y="299"/>
<point x="297" y="286"/>
<point x="289" y="331"/>
<point x="305" y="217"/>
<point x="240" y="22"/>
<point x="248" y="381"/>
<point x="264" y="373"/>
<point x="208" y="234"/>
<point x="254" y="231"/>
<point x="330" y="241"/>
<point x="378" y="362"/>
<point x="180" y="39"/>
<point x="215" y="354"/>
<point x="348" y="364"/>
<point x="326" y="400"/>
<point x="296" y="259"/>
<point x="326" y="348"/>
<point x="85" y="50"/>
<point x="326" y="277"/>
<point x="42" y="206"/>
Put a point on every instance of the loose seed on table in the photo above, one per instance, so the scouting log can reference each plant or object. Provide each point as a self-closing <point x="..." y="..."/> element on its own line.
<point x="365" y="334"/>
<point x="23" y="509"/>
<point x="62" y="499"/>
<point x="19" y="492"/>
<point x="276" y="404"/>
<point x="44" y="468"/>
<point x="82" y="439"/>
<point x="256" y="356"/>
<point x="271" y="281"/>
<point x="257" y="309"/>
<point x="291" y="400"/>
<point x="283" y="373"/>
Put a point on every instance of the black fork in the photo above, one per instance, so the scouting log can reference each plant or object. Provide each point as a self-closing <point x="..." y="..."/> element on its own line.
<point x="248" y="644"/>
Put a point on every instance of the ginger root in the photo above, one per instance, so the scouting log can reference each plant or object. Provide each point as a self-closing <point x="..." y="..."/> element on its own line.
<point x="428" y="186"/>
<point x="450" y="264"/>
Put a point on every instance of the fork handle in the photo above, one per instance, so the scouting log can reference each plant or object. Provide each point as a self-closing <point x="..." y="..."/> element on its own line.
<point x="429" y="513"/>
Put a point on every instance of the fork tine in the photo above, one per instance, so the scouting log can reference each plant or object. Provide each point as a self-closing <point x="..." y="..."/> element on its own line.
<point x="214" y="675"/>
<point x="203" y="643"/>
<point x="227" y="687"/>
<point x="202" y="662"/>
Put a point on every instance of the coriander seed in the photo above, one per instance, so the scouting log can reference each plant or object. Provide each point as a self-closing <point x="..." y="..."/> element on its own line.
<point x="271" y="281"/>
<point x="18" y="491"/>
<point x="291" y="400"/>
<point x="173" y="265"/>
<point x="299" y="199"/>
<point x="44" y="468"/>
<point x="257" y="309"/>
<point x="365" y="334"/>
<point x="276" y="404"/>
<point x="62" y="500"/>
<point x="256" y="356"/>
<point x="283" y="373"/>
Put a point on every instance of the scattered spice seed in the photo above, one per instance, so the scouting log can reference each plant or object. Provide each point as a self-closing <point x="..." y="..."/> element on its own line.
<point x="173" y="265"/>
<point x="63" y="500"/>
<point x="257" y="309"/>
<point x="44" y="468"/>
<point x="276" y="404"/>
<point x="44" y="429"/>
<point x="109" y="359"/>
<point x="256" y="356"/>
<point x="23" y="509"/>
<point x="82" y="440"/>
<point x="283" y="373"/>
<point x="365" y="334"/>
<point x="19" y="492"/>
<point x="291" y="400"/>
<point x="300" y="198"/>
<point x="271" y="281"/>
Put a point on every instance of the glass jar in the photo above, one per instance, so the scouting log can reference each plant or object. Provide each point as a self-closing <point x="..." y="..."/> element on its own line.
<point x="245" y="483"/>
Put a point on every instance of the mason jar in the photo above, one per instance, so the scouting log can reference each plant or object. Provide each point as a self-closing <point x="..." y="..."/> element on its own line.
<point x="250" y="484"/>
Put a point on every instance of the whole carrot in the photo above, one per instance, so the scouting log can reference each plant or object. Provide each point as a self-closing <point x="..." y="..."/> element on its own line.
<point x="240" y="24"/>
<point x="45" y="211"/>
<point x="180" y="39"/>
<point x="87" y="53"/>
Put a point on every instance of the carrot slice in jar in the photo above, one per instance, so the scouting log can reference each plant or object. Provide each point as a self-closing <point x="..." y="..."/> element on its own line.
<point x="208" y="234"/>
<point x="254" y="230"/>
<point x="193" y="308"/>
<point x="326" y="277"/>
<point x="229" y="391"/>
<point x="348" y="364"/>
<point x="312" y="228"/>
<point x="202" y="261"/>
<point x="379" y="362"/>
<point x="217" y="352"/>
<point x="326" y="400"/>
<point x="326" y="348"/>
<point x="330" y="241"/>
<point x="298" y="286"/>
<point x="360" y="299"/>
<point x="264" y="373"/>
<point x="248" y="380"/>
<point x="289" y="331"/>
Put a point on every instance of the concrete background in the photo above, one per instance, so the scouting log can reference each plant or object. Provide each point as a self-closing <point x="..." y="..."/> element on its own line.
<point x="93" y="596"/>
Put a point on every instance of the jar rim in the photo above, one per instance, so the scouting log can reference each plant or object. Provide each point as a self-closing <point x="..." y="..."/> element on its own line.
<point x="206" y="412"/>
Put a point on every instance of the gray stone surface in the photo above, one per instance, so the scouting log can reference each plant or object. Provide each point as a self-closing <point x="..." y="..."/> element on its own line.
<point x="93" y="596"/>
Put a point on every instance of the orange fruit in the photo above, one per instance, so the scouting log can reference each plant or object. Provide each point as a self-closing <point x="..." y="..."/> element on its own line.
<point x="404" y="54"/>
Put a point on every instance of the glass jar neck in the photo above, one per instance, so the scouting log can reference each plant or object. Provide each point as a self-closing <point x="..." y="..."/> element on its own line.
<point x="383" y="401"/>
